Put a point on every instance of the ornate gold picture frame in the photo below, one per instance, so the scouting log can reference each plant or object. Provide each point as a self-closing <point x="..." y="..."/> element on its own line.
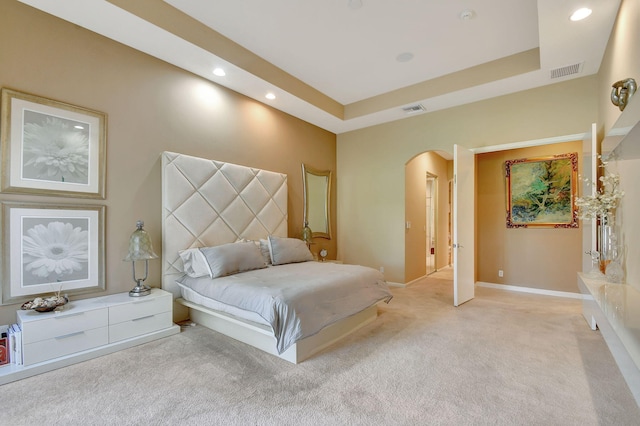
<point x="541" y="190"/>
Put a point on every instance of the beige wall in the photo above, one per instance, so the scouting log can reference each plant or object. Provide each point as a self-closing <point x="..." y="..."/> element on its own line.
<point x="629" y="171"/>
<point x="621" y="60"/>
<point x="152" y="107"/>
<point x="543" y="258"/>
<point x="415" y="212"/>
<point x="371" y="161"/>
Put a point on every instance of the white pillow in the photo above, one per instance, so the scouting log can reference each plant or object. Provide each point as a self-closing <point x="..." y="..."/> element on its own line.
<point x="228" y="259"/>
<point x="195" y="264"/>
<point x="288" y="250"/>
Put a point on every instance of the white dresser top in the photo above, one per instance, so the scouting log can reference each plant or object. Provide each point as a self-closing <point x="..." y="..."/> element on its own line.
<point x="620" y="303"/>
<point x="76" y="306"/>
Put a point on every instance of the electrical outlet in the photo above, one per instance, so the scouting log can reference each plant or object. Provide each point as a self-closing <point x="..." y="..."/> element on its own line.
<point x="500" y="273"/>
<point x="382" y="269"/>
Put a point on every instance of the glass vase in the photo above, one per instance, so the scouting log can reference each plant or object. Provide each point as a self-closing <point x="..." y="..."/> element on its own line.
<point x="614" y="271"/>
<point x="595" y="271"/>
<point x="610" y="248"/>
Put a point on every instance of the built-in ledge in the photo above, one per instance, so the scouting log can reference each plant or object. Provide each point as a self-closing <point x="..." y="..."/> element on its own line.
<point x="615" y="310"/>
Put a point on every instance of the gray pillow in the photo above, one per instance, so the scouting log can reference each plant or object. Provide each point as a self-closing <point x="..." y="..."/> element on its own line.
<point x="288" y="250"/>
<point x="266" y="254"/>
<point x="232" y="258"/>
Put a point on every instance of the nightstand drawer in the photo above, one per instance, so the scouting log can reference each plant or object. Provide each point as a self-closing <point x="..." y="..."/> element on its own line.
<point x="64" y="344"/>
<point x="139" y="326"/>
<point x="139" y="308"/>
<point x="62" y="324"/>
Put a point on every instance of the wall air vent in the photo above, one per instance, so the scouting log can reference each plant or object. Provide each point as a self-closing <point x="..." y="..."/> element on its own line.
<point x="413" y="109"/>
<point x="565" y="71"/>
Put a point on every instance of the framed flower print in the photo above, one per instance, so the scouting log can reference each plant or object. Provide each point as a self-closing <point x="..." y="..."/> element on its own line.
<point x="51" y="148"/>
<point x="47" y="248"/>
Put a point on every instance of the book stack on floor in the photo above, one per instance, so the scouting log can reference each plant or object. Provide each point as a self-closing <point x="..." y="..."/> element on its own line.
<point x="10" y="344"/>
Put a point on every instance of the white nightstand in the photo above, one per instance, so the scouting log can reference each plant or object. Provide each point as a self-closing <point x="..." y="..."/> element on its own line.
<point x="134" y="316"/>
<point x="90" y="328"/>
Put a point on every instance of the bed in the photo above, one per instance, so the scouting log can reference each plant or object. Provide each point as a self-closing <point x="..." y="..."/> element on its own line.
<point x="227" y="257"/>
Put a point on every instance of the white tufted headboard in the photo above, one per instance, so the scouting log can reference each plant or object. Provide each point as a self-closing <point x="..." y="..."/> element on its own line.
<point x="207" y="203"/>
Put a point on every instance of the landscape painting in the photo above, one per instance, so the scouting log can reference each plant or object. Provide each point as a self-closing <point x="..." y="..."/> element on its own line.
<point x="540" y="191"/>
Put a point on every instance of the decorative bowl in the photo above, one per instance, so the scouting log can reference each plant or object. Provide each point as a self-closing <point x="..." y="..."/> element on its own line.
<point x="45" y="304"/>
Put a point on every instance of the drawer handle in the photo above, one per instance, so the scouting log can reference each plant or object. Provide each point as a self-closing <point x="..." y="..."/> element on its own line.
<point x="137" y="302"/>
<point x="66" y="336"/>
<point x="69" y="315"/>
<point x="142" y="318"/>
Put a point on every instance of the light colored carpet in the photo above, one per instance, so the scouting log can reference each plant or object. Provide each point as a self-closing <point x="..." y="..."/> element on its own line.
<point x="501" y="359"/>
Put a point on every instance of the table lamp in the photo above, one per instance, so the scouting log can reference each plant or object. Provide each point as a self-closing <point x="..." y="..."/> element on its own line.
<point x="140" y="248"/>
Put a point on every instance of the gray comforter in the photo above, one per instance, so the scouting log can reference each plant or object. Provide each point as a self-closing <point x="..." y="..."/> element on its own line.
<point x="297" y="299"/>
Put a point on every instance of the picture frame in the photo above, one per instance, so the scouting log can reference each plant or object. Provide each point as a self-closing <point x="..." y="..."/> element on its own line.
<point x="51" y="147"/>
<point x="541" y="191"/>
<point x="47" y="248"/>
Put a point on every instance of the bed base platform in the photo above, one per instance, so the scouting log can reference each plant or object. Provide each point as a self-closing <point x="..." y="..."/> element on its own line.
<point x="261" y="337"/>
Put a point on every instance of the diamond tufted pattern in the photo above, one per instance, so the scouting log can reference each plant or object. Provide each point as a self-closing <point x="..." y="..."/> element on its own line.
<point x="207" y="203"/>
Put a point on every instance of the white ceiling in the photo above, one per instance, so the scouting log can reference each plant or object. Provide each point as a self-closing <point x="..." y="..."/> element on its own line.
<point x="349" y="53"/>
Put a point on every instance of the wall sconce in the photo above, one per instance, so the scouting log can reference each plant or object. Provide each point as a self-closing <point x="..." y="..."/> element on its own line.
<point x="622" y="92"/>
<point x="140" y="248"/>
<point x="307" y="234"/>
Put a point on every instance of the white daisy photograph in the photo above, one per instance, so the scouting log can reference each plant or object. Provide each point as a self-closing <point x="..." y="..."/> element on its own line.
<point x="54" y="250"/>
<point x="52" y="247"/>
<point x="52" y="148"/>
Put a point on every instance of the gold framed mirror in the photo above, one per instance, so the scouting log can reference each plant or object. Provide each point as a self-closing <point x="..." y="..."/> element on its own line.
<point x="317" y="199"/>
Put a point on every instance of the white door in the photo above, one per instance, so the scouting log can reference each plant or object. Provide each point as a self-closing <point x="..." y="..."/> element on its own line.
<point x="589" y="173"/>
<point x="464" y="256"/>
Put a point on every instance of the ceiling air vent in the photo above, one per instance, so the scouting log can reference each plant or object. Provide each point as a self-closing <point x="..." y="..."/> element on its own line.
<point x="414" y="109"/>
<point x="565" y="71"/>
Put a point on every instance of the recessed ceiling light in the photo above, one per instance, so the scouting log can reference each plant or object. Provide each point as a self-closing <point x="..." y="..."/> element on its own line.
<point x="467" y="14"/>
<point x="354" y="4"/>
<point x="580" y="14"/>
<point x="404" y="57"/>
<point x="270" y="96"/>
<point x="219" y="72"/>
<point x="79" y="127"/>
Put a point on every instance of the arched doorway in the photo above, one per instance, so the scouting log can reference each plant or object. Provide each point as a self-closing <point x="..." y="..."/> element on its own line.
<point x="427" y="214"/>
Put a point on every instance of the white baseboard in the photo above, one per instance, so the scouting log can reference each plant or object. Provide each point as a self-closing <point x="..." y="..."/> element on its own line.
<point x="506" y="287"/>
<point x="532" y="290"/>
